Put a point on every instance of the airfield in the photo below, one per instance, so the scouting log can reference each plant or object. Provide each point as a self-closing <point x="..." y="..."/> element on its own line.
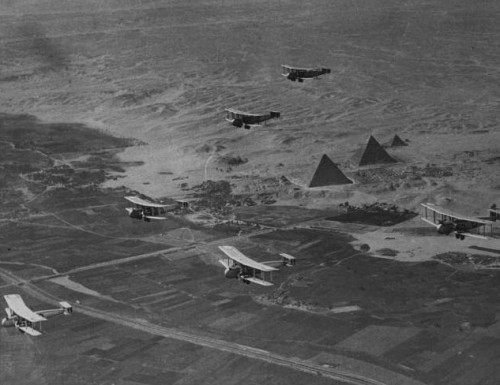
<point x="101" y="100"/>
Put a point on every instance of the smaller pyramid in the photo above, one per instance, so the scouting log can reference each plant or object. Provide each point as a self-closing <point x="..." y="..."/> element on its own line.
<point x="328" y="174"/>
<point x="374" y="153"/>
<point x="397" y="142"/>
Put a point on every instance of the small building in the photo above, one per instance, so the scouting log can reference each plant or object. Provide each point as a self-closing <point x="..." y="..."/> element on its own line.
<point x="494" y="214"/>
<point x="182" y="204"/>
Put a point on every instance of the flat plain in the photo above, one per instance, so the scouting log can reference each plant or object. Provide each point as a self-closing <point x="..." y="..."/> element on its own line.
<point x="106" y="99"/>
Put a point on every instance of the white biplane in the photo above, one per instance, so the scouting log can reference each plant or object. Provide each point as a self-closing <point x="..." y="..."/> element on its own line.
<point x="247" y="270"/>
<point x="447" y="222"/>
<point x="246" y="119"/>
<point x="146" y="210"/>
<point x="24" y="319"/>
<point x="295" y="73"/>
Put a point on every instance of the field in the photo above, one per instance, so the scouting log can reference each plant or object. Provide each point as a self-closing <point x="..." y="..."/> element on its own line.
<point x="414" y="323"/>
<point x="104" y="99"/>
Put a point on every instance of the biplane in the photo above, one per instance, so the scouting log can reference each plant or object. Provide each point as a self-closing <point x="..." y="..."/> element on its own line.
<point x="447" y="222"/>
<point x="24" y="319"/>
<point x="247" y="270"/>
<point x="146" y="210"/>
<point x="245" y="119"/>
<point x="299" y="74"/>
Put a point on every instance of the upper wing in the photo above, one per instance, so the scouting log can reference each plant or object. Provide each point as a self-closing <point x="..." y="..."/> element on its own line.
<point x="238" y="112"/>
<point x="445" y="213"/>
<point x="18" y="306"/>
<point x="142" y="202"/>
<point x="237" y="256"/>
<point x="296" y="69"/>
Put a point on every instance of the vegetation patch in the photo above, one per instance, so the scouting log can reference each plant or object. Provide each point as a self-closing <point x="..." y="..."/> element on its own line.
<point x="376" y="214"/>
<point x="468" y="260"/>
<point x="36" y="160"/>
<point x="387" y="252"/>
<point x="232" y="160"/>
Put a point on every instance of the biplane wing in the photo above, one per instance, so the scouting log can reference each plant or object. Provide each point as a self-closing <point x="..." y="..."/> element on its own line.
<point x="141" y="202"/>
<point x="295" y="69"/>
<point x="297" y="73"/>
<point x="17" y="305"/>
<point x="29" y="330"/>
<point x="234" y="254"/>
<point x="258" y="281"/>
<point x="155" y="218"/>
<point x="146" y="210"/>
<point x="447" y="222"/>
<point x="245" y="119"/>
<point x="239" y="113"/>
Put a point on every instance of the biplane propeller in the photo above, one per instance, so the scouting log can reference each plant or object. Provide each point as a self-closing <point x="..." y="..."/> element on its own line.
<point x="239" y="266"/>
<point x="447" y="227"/>
<point x="24" y="319"/>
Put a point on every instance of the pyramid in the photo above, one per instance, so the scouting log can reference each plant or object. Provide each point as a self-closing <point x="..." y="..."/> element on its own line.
<point x="374" y="153"/>
<point x="328" y="174"/>
<point x="397" y="142"/>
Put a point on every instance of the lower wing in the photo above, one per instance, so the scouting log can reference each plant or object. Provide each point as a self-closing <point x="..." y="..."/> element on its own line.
<point x="258" y="281"/>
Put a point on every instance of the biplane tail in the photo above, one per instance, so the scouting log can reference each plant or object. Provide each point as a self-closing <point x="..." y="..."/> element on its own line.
<point x="288" y="260"/>
<point x="275" y="114"/>
<point x="66" y="307"/>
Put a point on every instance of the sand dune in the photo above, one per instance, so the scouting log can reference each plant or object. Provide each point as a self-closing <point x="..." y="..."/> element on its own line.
<point x="163" y="72"/>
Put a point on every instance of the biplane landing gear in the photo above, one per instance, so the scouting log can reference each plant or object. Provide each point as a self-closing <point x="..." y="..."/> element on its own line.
<point x="301" y="80"/>
<point x="247" y="127"/>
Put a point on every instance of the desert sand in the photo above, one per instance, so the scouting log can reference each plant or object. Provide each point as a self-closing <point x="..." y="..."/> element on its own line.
<point x="162" y="72"/>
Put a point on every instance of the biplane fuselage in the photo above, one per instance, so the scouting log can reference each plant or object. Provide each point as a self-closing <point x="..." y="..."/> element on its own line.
<point x="299" y="74"/>
<point x="246" y="120"/>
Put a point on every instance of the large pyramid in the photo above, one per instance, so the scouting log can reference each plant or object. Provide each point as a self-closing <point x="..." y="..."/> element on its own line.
<point x="328" y="174"/>
<point x="397" y="142"/>
<point x="374" y="153"/>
